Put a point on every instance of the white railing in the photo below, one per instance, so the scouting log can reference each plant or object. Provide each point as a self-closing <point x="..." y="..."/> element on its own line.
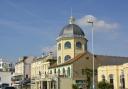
<point x="50" y="76"/>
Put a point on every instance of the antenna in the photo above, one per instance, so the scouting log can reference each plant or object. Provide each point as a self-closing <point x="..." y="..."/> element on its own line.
<point x="71" y="11"/>
<point x="71" y="19"/>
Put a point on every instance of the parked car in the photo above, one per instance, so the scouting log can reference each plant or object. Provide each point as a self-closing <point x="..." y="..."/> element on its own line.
<point x="10" y="87"/>
<point x="3" y="85"/>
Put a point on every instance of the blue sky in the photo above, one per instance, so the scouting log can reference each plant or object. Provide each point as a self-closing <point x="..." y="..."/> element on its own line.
<point x="29" y="27"/>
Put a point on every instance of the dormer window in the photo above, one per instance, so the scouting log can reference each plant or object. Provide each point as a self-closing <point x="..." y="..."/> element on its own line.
<point x="67" y="45"/>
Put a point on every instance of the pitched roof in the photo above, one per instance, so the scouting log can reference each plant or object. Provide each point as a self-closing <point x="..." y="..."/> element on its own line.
<point x="78" y="57"/>
<point x="100" y="60"/>
<point x="111" y="60"/>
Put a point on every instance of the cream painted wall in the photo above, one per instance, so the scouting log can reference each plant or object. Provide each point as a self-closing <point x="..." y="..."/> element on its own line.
<point x="39" y="66"/>
<point x="61" y="70"/>
<point x="5" y="77"/>
<point x="19" y="68"/>
<point x="66" y="83"/>
<point x="126" y="74"/>
<point x="116" y="70"/>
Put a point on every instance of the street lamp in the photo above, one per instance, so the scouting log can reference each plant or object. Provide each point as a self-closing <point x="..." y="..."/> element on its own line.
<point x="90" y="20"/>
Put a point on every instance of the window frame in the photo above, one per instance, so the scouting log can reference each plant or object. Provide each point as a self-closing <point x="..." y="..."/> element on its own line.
<point x="67" y="45"/>
<point x="67" y="57"/>
<point x="78" y="45"/>
<point x="68" y="71"/>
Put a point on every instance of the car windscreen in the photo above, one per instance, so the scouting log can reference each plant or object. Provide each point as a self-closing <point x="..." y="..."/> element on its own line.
<point x="9" y="88"/>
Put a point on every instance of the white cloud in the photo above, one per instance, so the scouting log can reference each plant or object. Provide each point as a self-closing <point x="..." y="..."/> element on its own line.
<point x="98" y="24"/>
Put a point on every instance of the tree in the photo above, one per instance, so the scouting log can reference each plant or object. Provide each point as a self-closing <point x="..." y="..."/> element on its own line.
<point x="104" y="85"/>
<point x="74" y="86"/>
<point x="89" y="75"/>
<point x="5" y="67"/>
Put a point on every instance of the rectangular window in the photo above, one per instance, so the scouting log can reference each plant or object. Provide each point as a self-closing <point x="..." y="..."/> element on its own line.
<point x="83" y="71"/>
<point x="10" y="65"/>
<point x="26" y="76"/>
<point x="2" y="64"/>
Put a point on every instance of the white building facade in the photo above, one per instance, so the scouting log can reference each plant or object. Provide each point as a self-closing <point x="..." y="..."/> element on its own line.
<point x="5" y="65"/>
<point x="5" y="77"/>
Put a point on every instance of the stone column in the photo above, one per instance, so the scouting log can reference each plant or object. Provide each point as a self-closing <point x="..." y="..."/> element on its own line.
<point x="40" y="84"/>
<point x="36" y="85"/>
<point x="48" y="85"/>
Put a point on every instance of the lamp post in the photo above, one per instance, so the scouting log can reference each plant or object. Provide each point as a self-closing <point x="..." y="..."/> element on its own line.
<point x="90" y="20"/>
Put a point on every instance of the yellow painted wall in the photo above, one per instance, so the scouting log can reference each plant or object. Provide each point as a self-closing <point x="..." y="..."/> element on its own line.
<point x="73" y="51"/>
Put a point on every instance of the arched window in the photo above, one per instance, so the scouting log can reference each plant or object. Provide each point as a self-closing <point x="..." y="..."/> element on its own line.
<point x="111" y="80"/>
<point x="50" y="71"/>
<point x="55" y="71"/>
<point x="68" y="72"/>
<point x="103" y="77"/>
<point x="58" y="71"/>
<point x="122" y="80"/>
<point x="67" y="57"/>
<point x="78" y="45"/>
<point x="63" y="71"/>
<point x="67" y="45"/>
<point x="59" y="59"/>
<point x="59" y="46"/>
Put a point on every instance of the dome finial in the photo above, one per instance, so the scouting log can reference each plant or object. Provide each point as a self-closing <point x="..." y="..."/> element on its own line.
<point x="71" y="20"/>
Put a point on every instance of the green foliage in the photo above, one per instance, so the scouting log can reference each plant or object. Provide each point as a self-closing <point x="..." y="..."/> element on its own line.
<point x="104" y="85"/>
<point x="5" y="67"/>
<point x="89" y="74"/>
<point x="74" y="86"/>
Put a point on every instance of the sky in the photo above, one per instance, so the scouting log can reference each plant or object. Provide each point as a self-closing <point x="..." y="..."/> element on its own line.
<point x="30" y="27"/>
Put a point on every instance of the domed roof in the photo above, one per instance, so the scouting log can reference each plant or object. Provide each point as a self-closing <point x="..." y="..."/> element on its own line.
<point x="72" y="29"/>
